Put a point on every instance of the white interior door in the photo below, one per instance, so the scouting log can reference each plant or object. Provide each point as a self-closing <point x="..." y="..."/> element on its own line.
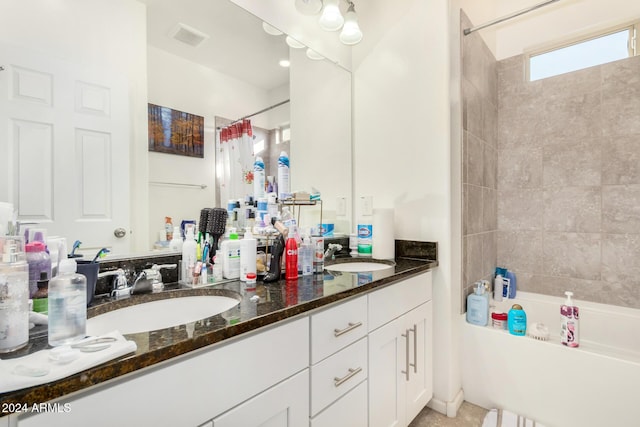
<point x="64" y="147"/>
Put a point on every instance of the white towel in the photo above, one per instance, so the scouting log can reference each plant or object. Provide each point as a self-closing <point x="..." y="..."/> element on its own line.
<point x="502" y="418"/>
<point x="10" y="381"/>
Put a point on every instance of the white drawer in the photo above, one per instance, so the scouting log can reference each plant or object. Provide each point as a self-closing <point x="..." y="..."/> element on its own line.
<point x="397" y="299"/>
<point x="338" y="374"/>
<point x="350" y="410"/>
<point x="337" y="327"/>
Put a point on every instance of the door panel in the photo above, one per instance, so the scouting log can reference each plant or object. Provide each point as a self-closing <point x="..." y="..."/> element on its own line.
<point x="419" y="389"/>
<point x="64" y="147"/>
<point x="386" y="382"/>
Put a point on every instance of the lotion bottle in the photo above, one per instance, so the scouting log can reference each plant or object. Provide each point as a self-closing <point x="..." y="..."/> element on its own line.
<point x="478" y="306"/>
<point x="569" y="327"/>
<point x="248" y="255"/>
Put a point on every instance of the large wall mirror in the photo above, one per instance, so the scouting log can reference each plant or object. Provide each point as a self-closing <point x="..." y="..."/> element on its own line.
<point x="306" y="106"/>
<point x="149" y="52"/>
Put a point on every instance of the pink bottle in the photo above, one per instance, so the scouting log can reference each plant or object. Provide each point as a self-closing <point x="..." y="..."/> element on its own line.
<point x="569" y="329"/>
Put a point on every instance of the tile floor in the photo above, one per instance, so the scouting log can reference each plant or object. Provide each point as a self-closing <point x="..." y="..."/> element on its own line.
<point x="469" y="415"/>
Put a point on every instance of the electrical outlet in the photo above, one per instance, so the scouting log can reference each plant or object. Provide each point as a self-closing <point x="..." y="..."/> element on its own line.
<point x="366" y="205"/>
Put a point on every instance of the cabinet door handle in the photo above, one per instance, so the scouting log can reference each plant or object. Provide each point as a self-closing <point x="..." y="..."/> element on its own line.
<point x="352" y="373"/>
<point x="351" y="327"/>
<point x="406" y="353"/>
<point x="415" y="348"/>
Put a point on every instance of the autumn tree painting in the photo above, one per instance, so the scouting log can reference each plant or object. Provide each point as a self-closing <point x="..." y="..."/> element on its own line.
<point x="175" y="132"/>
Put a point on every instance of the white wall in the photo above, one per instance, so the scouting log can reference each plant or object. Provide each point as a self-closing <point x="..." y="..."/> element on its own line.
<point x="402" y="148"/>
<point x="187" y="86"/>
<point x="109" y="35"/>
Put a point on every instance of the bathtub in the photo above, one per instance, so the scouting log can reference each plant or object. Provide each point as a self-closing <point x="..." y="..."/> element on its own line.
<point x="597" y="384"/>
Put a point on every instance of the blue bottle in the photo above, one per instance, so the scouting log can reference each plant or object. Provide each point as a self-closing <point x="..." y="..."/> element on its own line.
<point x="517" y="320"/>
<point x="478" y="306"/>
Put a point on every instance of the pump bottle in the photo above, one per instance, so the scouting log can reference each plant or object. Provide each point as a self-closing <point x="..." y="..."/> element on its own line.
<point x="569" y="327"/>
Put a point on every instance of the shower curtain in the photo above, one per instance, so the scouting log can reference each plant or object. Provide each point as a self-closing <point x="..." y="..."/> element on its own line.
<point x="235" y="161"/>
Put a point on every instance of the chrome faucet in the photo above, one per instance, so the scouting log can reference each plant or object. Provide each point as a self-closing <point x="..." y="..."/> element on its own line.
<point x="331" y="250"/>
<point x="120" y="287"/>
<point x="150" y="279"/>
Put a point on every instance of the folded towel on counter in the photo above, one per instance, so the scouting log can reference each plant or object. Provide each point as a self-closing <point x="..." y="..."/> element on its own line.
<point x="53" y="364"/>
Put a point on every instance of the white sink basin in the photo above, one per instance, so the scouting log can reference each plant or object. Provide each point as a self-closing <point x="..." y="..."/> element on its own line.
<point x="160" y="314"/>
<point x="359" y="266"/>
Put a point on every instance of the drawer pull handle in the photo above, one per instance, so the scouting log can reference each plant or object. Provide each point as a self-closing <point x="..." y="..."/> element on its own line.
<point x="352" y="373"/>
<point x="351" y="327"/>
<point x="415" y="348"/>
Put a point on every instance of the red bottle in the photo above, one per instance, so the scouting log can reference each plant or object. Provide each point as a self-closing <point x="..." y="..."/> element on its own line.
<point x="291" y="259"/>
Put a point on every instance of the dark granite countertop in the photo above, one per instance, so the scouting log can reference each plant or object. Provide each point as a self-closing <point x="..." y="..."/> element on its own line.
<point x="267" y="304"/>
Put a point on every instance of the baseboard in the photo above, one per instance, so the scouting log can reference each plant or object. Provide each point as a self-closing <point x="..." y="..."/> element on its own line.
<point x="450" y="409"/>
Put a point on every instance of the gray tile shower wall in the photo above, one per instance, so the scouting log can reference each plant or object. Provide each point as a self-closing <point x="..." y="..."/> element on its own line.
<point x="479" y="160"/>
<point x="568" y="181"/>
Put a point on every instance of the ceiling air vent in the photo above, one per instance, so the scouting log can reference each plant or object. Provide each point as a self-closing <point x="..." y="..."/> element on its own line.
<point x="186" y="34"/>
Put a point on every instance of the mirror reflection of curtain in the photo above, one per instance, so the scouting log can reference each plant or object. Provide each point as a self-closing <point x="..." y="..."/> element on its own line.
<point x="235" y="161"/>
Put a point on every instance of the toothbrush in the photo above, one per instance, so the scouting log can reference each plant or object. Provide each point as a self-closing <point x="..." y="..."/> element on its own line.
<point x="76" y="245"/>
<point x="101" y="254"/>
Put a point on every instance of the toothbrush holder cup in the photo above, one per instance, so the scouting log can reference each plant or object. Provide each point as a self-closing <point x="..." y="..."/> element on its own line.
<point x="90" y="271"/>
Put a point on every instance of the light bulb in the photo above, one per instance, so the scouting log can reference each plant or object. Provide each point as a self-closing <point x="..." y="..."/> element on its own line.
<point x="271" y="30"/>
<point x="312" y="54"/>
<point x="351" y="33"/>
<point x="284" y="63"/>
<point x="331" y="18"/>
<point x="294" y="43"/>
<point x="308" y="7"/>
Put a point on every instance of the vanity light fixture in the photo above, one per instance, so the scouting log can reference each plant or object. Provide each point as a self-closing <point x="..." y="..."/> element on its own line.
<point x="331" y="18"/>
<point x="294" y="43"/>
<point x="271" y="30"/>
<point x="312" y="54"/>
<point x="308" y="7"/>
<point x="351" y="33"/>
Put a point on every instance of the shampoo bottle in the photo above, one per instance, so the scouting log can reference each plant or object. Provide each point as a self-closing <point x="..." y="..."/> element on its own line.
<point x="305" y="257"/>
<point x="176" y="240"/>
<point x="497" y="288"/>
<point x="258" y="179"/>
<point x="517" y="320"/>
<point x="569" y="328"/>
<point x="478" y="306"/>
<point x="248" y="255"/>
<point x="284" y="186"/>
<point x="291" y="259"/>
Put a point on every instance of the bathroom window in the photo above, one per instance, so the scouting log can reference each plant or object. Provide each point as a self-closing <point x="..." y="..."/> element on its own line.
<point x="258" y="146"/>
<point x="601" y="48"/>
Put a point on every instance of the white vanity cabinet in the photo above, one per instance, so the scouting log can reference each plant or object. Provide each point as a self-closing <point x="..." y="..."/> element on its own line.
<point x="194" y="389"/>
<point x="400" y="352"/>
<point x="365" y="361"/>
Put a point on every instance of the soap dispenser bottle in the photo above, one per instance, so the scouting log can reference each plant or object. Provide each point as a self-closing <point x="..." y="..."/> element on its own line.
<point x="569" y="328"/>
<point x="478" y="306"/>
